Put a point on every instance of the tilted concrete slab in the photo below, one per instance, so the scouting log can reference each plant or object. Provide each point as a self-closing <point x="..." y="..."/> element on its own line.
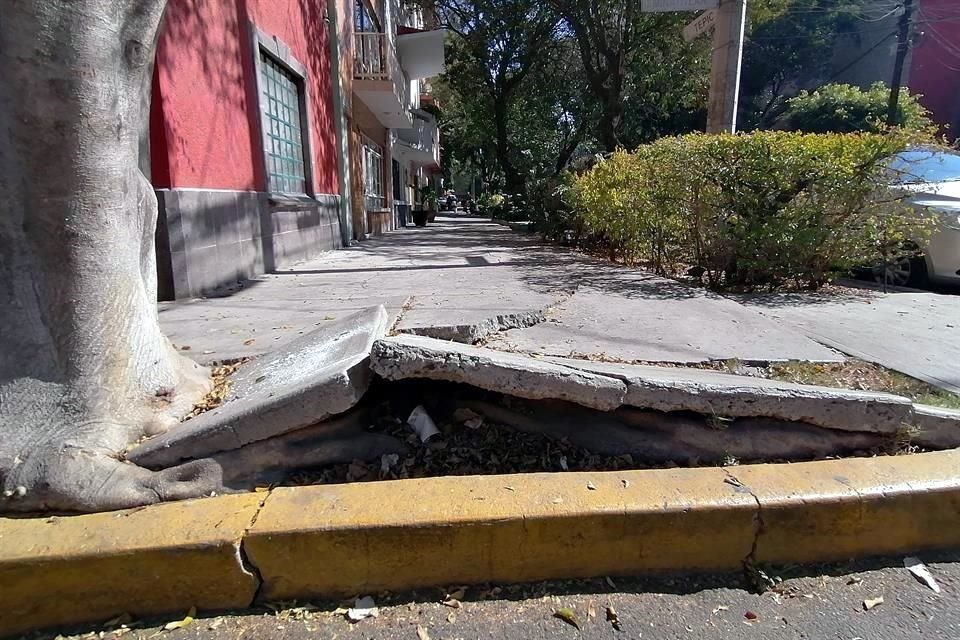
<point x="914" y="333"/>
<point x="418" y="357"/>
<point x="472" y="316"/>
<point x="631" y="316"/>
<point x="713" y="393"/>
<point x="324" y="373"/>
<point x="936" y="428"/>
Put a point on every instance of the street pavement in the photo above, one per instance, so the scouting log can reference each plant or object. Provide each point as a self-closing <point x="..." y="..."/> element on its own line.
<point x="465" y="271"/>
<point x="818" y="603"/>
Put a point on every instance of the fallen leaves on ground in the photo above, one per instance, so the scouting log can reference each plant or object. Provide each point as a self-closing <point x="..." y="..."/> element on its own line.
<point x="422" y="633"/>
<point x="870" y="603"/>
<point x="613" y="618"/>
<point x="462" y="451"/>
<point x="567" y="615"/>
<point x="221" y="388"/>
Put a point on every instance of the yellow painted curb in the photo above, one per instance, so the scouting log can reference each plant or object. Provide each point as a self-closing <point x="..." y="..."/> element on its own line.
<point x="841" y="509"/>
<point x="91" y="568"/>
<point x="362" y="538"/>
<point x="342" y="540"/>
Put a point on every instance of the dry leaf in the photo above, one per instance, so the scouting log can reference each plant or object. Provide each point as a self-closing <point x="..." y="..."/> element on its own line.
<point x="568" y="616"/>
<point x="870" y="603"/>
<point x="422" y="633"/>
<point x="626" y="484"/>
<point x="613" y="618"/>
<point x="921" y="573"/>
<point x="249" y="342"/>
<point x="720" y="608"/>
<point x="215" y="624"/>
<point x="451" y="617"/>
<point x="591" y="611"/>
<point x="750" y="615"/>
<point x="186" y="348"/>
<point x="591" y="486"/>
<point x="453" y="603"/>
<point x="182" y="624"/>
<point x="459" y="594"/>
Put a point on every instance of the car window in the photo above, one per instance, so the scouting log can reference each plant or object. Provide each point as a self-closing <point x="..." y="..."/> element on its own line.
<point x="926" y="166"/>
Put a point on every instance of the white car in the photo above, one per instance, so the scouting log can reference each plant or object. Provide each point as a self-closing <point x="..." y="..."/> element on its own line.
<point x="933" y="178"/>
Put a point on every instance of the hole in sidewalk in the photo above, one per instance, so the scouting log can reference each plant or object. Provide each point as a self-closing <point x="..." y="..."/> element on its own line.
<point x="486" y="433"/>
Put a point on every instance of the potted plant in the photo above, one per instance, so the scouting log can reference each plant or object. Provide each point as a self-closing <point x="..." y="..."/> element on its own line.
<point x="427" y="210"/>
<point x="431" y="201"/>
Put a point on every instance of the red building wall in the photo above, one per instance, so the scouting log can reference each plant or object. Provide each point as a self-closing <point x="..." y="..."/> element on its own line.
<point x="204" y="119"/>
<point x="935" y="70"/>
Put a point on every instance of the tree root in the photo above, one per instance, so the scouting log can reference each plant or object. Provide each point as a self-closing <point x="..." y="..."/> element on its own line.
<point x="82" y="479"/>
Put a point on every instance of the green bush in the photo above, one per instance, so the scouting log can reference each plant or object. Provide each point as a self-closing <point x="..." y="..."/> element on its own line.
<point x="750" y="210"/>
<point x="841" y="108"/>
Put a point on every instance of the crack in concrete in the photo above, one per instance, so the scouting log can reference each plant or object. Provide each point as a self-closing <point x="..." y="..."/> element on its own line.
<point x="477" y="333"/>
<point x="759" y="526"/>
<point x="246" y="563"/>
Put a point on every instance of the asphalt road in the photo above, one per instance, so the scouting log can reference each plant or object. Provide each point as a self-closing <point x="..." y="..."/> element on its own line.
<point x="818" y="603"/>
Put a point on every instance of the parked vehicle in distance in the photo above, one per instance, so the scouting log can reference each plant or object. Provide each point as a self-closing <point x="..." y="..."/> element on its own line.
<point x="932" y="176"/>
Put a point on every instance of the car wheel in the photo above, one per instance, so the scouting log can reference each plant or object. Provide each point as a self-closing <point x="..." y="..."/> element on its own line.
<point x="905" y="271"/>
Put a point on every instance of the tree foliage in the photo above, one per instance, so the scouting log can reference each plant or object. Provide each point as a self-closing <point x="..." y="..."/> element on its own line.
<point x="789" y="43"/>
<point x="841" y="108"/>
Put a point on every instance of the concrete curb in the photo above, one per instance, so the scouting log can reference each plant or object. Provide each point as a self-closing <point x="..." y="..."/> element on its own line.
<point x="341" y="540"/>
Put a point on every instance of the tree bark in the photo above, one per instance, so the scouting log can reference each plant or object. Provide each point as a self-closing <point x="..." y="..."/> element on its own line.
<point x="84" y="369"/>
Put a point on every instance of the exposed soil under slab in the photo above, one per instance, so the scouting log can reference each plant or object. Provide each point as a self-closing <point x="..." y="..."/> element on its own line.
<point x="508" y="435"/>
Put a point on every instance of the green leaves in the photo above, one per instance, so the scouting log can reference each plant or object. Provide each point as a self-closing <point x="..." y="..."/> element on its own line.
<point x="767" y="209"/>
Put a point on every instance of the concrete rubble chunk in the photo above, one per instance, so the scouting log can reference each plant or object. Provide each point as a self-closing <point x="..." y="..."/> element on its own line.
<point x="937" y="428"/>
<point x="726" y="395"/>
<point x="322" y="374"/>
<point x="415" y="357"/>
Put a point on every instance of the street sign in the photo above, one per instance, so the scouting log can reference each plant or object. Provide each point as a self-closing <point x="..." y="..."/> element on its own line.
<point x="701" y="25"/>
<point x="678" y="5"/>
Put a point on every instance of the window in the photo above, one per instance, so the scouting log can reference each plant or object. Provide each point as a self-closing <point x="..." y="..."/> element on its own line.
<point x="281" y="103"/>
<point x="374" y="196"/>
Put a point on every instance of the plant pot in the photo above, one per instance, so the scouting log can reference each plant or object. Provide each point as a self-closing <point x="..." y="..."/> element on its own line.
<point x="420" y="218"/>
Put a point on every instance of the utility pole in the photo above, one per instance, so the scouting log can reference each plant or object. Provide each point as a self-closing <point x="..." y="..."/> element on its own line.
<point x="903" y="47"/>
<point x="727" y="59"/>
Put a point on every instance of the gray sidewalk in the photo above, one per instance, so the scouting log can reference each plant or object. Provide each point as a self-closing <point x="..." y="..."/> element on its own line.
<point x="469" y="277"/>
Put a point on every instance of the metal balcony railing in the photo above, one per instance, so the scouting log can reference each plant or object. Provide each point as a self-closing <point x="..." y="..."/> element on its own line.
<point x="375" y="58"/>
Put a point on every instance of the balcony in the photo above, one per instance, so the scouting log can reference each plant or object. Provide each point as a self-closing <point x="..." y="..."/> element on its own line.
<point x="379" y="80"/>
<point x="421" y="143"/>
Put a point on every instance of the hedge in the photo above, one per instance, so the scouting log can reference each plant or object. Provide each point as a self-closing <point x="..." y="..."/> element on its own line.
<point x="765" y="209"/>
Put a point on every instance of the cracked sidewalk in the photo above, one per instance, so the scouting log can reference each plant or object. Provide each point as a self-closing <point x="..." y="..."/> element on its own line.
<point x="469" y="280"/>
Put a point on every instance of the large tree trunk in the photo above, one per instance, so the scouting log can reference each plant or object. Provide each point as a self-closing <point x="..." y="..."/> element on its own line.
<point x="84" y="369"/>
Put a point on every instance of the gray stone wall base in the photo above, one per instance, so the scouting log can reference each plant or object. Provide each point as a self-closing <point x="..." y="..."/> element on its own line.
<point x="209" y="239"/>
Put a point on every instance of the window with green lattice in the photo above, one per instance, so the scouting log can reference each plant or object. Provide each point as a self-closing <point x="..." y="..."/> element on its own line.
<point x="281" y="102"/>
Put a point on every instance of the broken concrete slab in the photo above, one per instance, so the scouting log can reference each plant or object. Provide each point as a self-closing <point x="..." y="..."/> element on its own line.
<point x="937" y="428"/>
<point x="322" y="374"/>
<point x="416" y="357"/>
<point x="720" y="394"/>
<point x="630" y="315"/>
<point x="472" y="317"/>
